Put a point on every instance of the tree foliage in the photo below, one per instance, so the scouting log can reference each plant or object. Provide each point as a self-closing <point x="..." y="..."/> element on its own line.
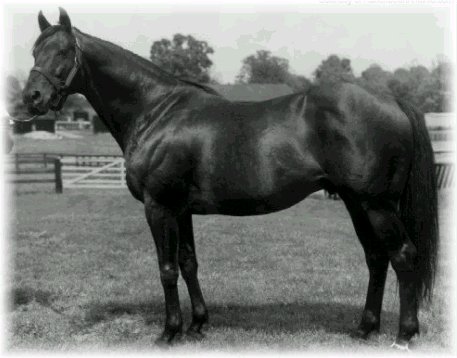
<point x="263" y="67"/>
<point x="429" y="90"/>
<point x="334" y="69"/>
<point x="13" y="94"/>
<point x="184" y="56"/>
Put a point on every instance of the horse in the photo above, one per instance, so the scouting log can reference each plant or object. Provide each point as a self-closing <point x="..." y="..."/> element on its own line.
<point x="190" y="151"/>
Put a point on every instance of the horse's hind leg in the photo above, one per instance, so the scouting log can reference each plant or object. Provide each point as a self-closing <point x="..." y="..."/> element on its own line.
<point x="390" y="230"/>
<point x="377" y="261"/>
<point x="188" y="265"/>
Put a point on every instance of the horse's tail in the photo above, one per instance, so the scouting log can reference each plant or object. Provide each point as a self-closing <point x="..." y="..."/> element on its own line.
<point x="419" y="203"/>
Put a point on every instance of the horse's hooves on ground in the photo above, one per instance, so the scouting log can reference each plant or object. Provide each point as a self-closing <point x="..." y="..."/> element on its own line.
<point x="167" y="339"/>
<point x="194" y="335"/>
<point x="362" y="334"/>
<point x="358" y="334"/>
<point x="403" y="346"/>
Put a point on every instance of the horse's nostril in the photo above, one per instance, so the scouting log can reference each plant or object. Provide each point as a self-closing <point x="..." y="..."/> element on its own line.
<point x="36" y="95"/>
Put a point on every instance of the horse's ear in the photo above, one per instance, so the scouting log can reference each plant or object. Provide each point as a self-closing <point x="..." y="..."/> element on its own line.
<point x="44" y="24"/>
<point x="64" y="19"/>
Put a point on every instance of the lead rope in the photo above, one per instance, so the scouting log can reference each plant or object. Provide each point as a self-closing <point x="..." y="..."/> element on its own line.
<point x="15" y="119"/>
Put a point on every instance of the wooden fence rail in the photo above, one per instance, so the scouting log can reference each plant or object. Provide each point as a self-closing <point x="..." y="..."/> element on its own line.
<point x="36" y="165"/>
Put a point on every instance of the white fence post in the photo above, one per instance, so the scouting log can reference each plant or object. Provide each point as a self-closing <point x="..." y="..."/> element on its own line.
<point x="123" y="183"/>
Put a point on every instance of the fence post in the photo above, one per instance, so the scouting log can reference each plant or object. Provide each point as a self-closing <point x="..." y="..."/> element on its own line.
<point x="58" y="175"/>
<point x="123" y="173"/>
<point x="16" y="162"/>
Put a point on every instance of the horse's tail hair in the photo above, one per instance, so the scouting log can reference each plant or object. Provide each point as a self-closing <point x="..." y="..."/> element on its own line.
<point x="419" y="204"/>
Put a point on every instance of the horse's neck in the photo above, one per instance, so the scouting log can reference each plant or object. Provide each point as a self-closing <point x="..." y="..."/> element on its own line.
<point x="119" y="84"/>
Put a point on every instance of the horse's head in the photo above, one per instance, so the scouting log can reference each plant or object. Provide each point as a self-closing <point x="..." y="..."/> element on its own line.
<point x="57" y="60"/>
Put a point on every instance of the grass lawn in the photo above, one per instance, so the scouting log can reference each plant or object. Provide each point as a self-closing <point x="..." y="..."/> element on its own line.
<point x="84" y="275"/>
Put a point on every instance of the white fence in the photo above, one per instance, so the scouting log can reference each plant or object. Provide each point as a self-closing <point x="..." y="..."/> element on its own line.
<point x="102" y="172"/>
<point x="65" y="125"/>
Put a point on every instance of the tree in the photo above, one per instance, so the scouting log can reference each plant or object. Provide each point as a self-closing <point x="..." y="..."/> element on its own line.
<point x="184" y="56"/>
<point x="333" y="69"/>
<point x="264" y="68"/>
<point x="442" y="75"/>
<point x="427" y="90"/>
<point x="375" y="79"/>
<point x="376" y="76"/>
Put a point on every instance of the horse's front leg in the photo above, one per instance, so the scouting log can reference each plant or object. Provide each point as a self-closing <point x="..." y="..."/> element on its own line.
<point x="164" y="228"/>
<point x="188" y="264"/>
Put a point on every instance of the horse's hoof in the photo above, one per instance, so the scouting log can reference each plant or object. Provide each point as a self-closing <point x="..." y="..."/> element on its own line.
<point x="363" y="334"/>
<point x="360" y="334"/>
<point x="402" y="346"/>
<point x="194" y="335"/>
<point x="167" y="339"/>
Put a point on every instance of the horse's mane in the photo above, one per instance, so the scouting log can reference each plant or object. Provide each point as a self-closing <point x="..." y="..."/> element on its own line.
<point x="149" y="65"/>
<point x="205" y="88"/>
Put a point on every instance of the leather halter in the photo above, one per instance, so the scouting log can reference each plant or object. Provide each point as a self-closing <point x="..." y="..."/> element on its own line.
<point x="62" y="86"/>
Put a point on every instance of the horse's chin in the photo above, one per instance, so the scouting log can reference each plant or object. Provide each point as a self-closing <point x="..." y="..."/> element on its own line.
<point x="37" y="111"/>
<point x="56" y="108"/>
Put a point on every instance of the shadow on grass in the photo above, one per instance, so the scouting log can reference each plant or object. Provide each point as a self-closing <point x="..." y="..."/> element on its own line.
<point x="24" y="295"/>
<point x="331" y="317"/>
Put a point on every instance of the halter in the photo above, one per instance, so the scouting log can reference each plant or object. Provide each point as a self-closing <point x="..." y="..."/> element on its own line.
<point x="60" y="86"/>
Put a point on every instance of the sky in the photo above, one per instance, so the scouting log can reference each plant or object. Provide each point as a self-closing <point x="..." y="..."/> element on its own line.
<point x="305" y="35"/>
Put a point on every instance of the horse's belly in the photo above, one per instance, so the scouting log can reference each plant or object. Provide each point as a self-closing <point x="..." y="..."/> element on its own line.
<point x="244" y="205"/>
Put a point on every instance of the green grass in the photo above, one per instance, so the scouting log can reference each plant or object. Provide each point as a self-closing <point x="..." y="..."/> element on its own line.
<point x="84" y="275"/>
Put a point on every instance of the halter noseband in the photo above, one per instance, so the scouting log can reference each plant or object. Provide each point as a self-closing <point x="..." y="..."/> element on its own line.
<point x="62" y="86"/>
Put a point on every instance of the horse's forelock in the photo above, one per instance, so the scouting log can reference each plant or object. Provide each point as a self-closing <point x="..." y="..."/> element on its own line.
<point x="46" y="33"/>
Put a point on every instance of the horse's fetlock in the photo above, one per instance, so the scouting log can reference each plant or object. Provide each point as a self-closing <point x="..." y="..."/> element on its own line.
<point x="200" y="313"/>
<point x="174" y="323"/>
<point x="369" y="318"/>
<point x="408" y="328"/>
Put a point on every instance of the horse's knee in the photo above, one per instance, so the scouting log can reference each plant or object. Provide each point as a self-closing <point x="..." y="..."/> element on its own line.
<point x="169" y="275"/>
<point x="403" y="259"/>
<point x="188" y="266"/>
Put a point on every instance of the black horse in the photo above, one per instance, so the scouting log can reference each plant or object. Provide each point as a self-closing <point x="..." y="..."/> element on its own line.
<point x="189" y="151"/>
